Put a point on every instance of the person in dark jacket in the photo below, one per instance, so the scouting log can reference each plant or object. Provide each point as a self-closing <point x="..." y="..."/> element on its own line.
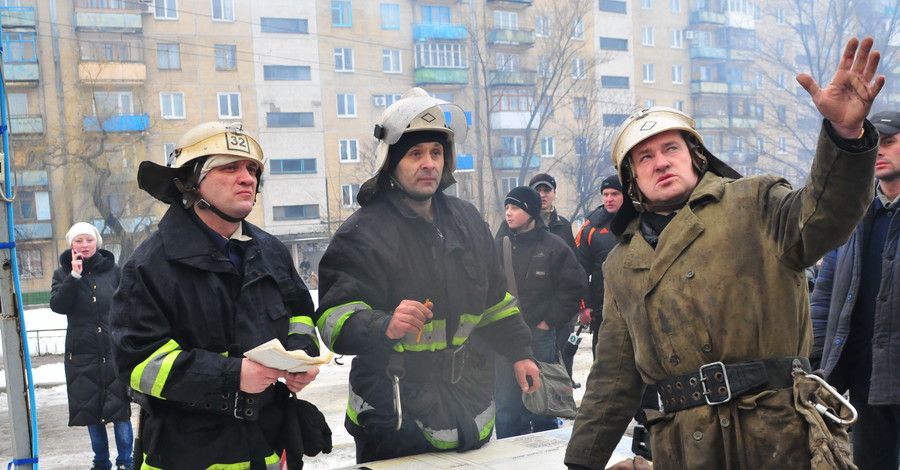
<point x="206" y="287"/>
<point x="856" y="312"/>
<point x="82" y="288"/>
<point x="550" y="285"/>
<point x="411" y="285"/>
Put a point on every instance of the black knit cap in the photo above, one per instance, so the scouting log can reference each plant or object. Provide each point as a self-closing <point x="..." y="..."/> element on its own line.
<point x="527" y="199"/>
<point x="611" y="182"/>
<point x="409" y="140"/>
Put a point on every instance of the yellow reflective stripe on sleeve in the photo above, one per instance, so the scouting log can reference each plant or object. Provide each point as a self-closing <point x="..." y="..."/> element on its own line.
<point x="302" y="325"/>
<point x="355" y="406"/>
<point x="507" y="307"/>
<point x="467" y="324"/>
<point x="333" y="319"/>
<point x="273" y="462"/>
<point x="150" y="376"/>
<point x="434" y="338"/>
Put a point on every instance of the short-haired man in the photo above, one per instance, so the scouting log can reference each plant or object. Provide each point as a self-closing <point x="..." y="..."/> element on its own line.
<point x="709" y="299"/>
<point x="412" y="286"/>
<point x="856" y="311"/>
<point x="203" y="289"/>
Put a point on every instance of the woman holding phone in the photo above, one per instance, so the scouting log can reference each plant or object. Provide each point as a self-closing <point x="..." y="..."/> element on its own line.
<point x="82" y="288"/>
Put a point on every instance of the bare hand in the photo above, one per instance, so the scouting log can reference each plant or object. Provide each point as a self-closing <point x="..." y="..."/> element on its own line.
<point x="409" y="317"/>
<point x="847" y="100"/>
<point x="543" y="325"/>
<point x="256" y="377"/>
<point x="638" y="463"/>
<point x="527" y="368"/>
<point x="77" y="262"/>
<point x="300" y="380"/>
<point x="584" y="316"/>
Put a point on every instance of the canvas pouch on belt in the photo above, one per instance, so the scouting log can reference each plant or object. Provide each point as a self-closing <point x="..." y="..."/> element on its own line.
<point x="829" y="443"/>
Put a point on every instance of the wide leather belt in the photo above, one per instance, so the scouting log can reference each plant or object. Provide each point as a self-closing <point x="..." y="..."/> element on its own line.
<point x="239" y="405"/>
<point x="716" y="383"/>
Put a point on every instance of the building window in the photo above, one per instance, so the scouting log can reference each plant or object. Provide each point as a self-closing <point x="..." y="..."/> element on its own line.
<point x="346" y="105"/>
<point x="506" y="20"/>
<point x="226" y="57"/>
<point x="390" y="16"/>
<point x="512" y="99"/>
<point x="548" y="147"/>
<point x="509" y="183"/>
<point x="705" y="73"/>
<point x="348" y="195"/>
<point x="578" y="30"/>
<point x="542" y="26"/>
<point x="675" y="6"/>
<point x="31" y="206"/>
<point x="30" y="263"/>
<point x="614" y="120"/>
<point x="286" y="72"/>
<point x="779" y="48"/>
<point x="649" y="73"/>
<point x="289" y="119"/>
<point x="614" y="6"/>
<point x="677" y="39"/>
<point x="284" y="25"/>
<point x="759" y="79"/>
<point x="781" y="112"/>
<point x="760" y="145"/>
<point x="782" y="145"/>
<point x="18" y="104"/>
<point x="581" y="146"/>
<point x="578" y="71"/>
<point x="171" y="105"/>
<point x="343" y="59"/>
<point x="647" y="36"/>
<point x="223" y="10"/>
<point x="579" y="108"/>
<point x="677" y="74"/>
<point x="507" y="62"/>
<point x="646" y="4"/>
<point x="166" y="10"/>
<point x="341" y="14"/>
<point x="390" y="61"/>
<point x="649" y="103"/>
<point x="779" y="79"/>
<point x="679" y="105"/>
<point x="613" y="44"/>
<point x="543" y="66"/>
<point x="292" y="165"/>
<point x="229" y="105"/>
<point x="387" y="99"/>
<point x="116" y="103"/>
<point x="168" y="56"/>
<point x="611" y="81"/>
<point x="309" y="211"/>
<point x="441" y="54"/>
<point x="435" y="15"/>
<point x="19" y="47"/>
<point x="512" y="144"/>
<point x="779" y="15"/>
<point x="349" y="150"/>
<point x="168" y="148"/>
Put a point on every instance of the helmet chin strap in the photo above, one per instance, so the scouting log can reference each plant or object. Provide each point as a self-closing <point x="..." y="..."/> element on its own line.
<point x="202" y="204"/>
<point x="396" y="184"/>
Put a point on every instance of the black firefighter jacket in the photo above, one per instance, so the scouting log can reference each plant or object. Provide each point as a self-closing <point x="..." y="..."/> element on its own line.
<point x="95" y="395"/>
<point x="594" y="241"/>
<point x="181" y="321"/>
<point x="385" y="253"/>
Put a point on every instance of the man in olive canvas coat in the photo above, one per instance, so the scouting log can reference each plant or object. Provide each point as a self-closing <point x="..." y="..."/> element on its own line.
<point x="709" y="280"/>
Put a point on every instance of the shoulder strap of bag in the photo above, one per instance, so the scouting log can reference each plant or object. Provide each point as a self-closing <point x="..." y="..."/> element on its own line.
<point x="507" y="263"/>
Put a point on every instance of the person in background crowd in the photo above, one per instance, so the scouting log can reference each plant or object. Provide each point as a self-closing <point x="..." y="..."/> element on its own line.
<point x="82" y="288"/>
<point x="856" y="312"/>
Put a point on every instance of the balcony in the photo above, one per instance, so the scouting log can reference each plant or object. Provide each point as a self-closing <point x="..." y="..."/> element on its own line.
<point x="514" y="162"/>
<point x="709" y="87"/>
<point x="742" y="88"/>
<point x="705" y="52"/>
<point x="441" y="76"/>
<point x="19" y="73"/>
<point x="121" y="73"/>
<point x="516" y="37"/>
<point x="33" y="231"/>
<point x="26" y="125"/>
<point x="520" y="3"/>
<point x="123" y="21"/>
<point x="425" y="31"/>
<point x="118" y="123"/>
<point x="513" y="120"/>
<point x="17" y="17"/>
<point x="706" y="17"/>
<point x="712" y="123"/>
<point x="520" y="78"/>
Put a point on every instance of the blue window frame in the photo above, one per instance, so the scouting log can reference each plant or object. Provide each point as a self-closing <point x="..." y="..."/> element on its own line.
<point x="292" y="165"/>
<point x="19" y="47"/>
<point x="435" y="15"/>
<point x="390" y="16"/>
<point x="341" y="14"/>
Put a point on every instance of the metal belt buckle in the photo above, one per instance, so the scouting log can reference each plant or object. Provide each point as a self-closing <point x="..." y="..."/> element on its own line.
<point x="456" y="372"/>
<point x="237" y="408"/>
<point x="706" y="392"/>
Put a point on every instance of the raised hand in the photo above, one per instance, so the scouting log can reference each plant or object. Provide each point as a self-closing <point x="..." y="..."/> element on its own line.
<point x="847" y="100"/>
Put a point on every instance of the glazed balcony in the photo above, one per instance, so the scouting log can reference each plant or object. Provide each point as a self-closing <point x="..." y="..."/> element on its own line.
<point x="26" y="125"/>
<point x="514" y="162"/>
<point x="706" y="17"/>
<point x="515" y="37"/>
<point x="427" y="31"/>
<point x="21" y="73"/>
<point x="705" y="52"/>
<point x="507" y="3"/>
<point x="17" y="17"/>
<point x="518" y="78"/>
<point x="118" y="17"/>
<point x="711" y="87"/>
<point x="122" y="73"/>
<point x="118" y="123"/>
<point x="441" y="76"/>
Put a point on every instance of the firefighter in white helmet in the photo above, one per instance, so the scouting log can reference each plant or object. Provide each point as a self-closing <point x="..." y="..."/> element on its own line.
<point x="199" y="292"/>
<point x="706" y="291"/>
<point x="411" y="285"/>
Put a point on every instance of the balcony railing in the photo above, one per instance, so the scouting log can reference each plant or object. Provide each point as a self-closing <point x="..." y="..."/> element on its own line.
<point x="514" y="162"/>
<point x="26" y="125"/>
<point x="709" y="87"/>
<point x="522" y="3"/>
<point x="705" y="52"/>
<point x="441" y="76"/>
<point x="108" y="20"/>
<point x="523" y="37"/>
<point x="520" y="78"/>
<point x="112" y="72"/>
<point x="118" y="123"/>
<point x="742" y="88"/>
<point x="707" y="17"/>
<point x="19" y="72"/>
<point x="423" y="31"/>
<point x="17" y="17"/>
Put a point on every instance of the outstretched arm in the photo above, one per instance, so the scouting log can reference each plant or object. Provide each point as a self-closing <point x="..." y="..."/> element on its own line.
<point x="847" y="100"/>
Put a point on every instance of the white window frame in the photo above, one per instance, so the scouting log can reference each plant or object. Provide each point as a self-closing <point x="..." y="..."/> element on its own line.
<point x="226" y="9"/>
<point x="507" y="62"/>
<point x="677" y="74"/>
<point x="646" y="4"/>
<point x="348" y="195"/>
<point x="679" y="105"/>
<point x="170" y="100"/>
<point x="677" y="39"/>
<point x="124" y="102"/>
<point x="506" y="20"/>
<point x="544" y="69"/>
<point x="165" y="6"/>
<point x="542" y="26"/>
<point x="346" y="55"/>
<point x="675" y="6"/>
<point x="782" y="144"/>
<point x="229" y="112"/>
<point x="578" y="68"/>
<point x="348" y="149"/>
<point x="761" y="145"/>
<point x="508" y="183"/>
<point x="779" y="16"/>
<point x="578" y="30"/>
<point x="647" y="36"/>
<point x="548" y="147"/>
<point x="649" y="73"/>
<point x="391" y="61"/>
<point x="168" y="148"/>
<point x="346" y="105"/>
